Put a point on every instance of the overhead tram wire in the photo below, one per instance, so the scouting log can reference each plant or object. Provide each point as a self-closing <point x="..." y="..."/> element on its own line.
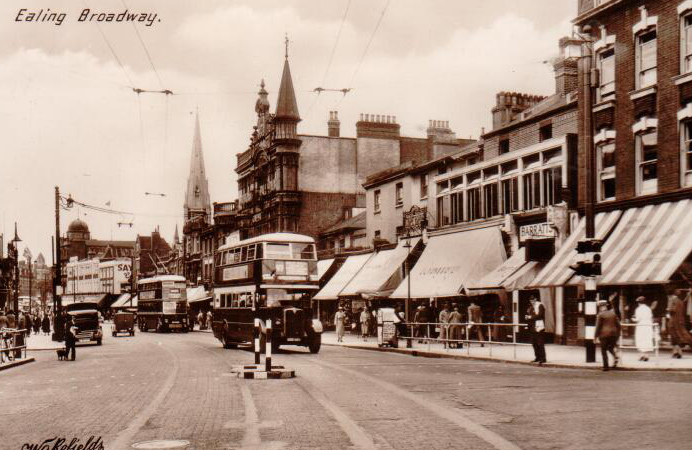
<point x="367" y="47"/>
<point x="146" y="51"/>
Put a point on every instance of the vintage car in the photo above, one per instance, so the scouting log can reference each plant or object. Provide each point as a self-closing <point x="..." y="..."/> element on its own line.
<point x="85" y="318"/>
<point x="123" y="322"/>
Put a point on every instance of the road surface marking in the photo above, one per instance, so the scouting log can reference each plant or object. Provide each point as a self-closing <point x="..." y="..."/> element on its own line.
<point x="123" y="438"/>
<point x="358" y="436"/>
<point x="455" y="416"/>
<point x="252" y="425"/>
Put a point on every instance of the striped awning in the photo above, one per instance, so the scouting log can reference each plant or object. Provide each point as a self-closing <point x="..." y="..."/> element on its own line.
<point x="648" y="245"/>
<point x="557" y="271"/>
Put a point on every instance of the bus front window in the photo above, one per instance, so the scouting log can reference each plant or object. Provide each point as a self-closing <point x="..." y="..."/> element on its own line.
<point x="303" y="251"/>
<point x="275" y="296"/>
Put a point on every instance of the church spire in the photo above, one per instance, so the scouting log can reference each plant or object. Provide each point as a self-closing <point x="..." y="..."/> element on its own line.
<point x="176" y="237"/>
<point x="286" y="104"/>
<point x="197" y="201"/>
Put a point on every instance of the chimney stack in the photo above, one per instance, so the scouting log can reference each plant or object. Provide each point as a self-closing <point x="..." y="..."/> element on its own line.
<point x="566" y="66"/>
<point x="378" y="126"/>
<point x="333" y="124"/>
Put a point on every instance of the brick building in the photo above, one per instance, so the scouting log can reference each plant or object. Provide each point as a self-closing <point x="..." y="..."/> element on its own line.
<point x="307" y="184"/>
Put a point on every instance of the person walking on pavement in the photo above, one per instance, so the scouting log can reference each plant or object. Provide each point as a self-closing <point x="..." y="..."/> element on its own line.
<point x="70" y="339"/>
<point x="29" y="324"/>
<point x="11" y="319"/>
<point x="21" y="322"/>
<point x="679" y="336"/>
<point x="340" y="323"/>
<point x="37" y="324"/>
<point x="607" y="332"/>
<point x="209" y="319"/>
<point x="443" y="321"/>
<point x="476" y="317"/>
<point x="45" y="324"/>
<point x="455" y="321"/>
<point x="364" y="323"/>
<point x="200" y="320"/>
<point x="644" y="333"/>
<point x="535" y="316"/>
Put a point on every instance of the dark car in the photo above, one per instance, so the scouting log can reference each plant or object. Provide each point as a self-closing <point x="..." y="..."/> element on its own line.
<point x="85" y="317"/>
<point x="123" y="322"/>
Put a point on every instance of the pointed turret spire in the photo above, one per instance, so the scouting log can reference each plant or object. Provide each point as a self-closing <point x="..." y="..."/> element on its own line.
<point x="286" y="104"/>
<point x="197" y="197"/>
<point x="176" y="238"/>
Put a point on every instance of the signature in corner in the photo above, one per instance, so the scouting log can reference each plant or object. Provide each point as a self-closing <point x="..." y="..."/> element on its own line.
<point x="56" y="443"/>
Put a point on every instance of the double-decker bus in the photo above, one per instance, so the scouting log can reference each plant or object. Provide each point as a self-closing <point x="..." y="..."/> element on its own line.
<point x="162" y="303"/>
<point x="278" y="271"/>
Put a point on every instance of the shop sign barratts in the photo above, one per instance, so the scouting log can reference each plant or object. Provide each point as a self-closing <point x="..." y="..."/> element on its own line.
<point x="536" y="231"/>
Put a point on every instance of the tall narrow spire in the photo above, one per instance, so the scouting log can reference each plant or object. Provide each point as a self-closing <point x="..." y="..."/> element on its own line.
<point x="197" y="202"/>
<point x="286" y="104"/>
<point x="176" y="237"/>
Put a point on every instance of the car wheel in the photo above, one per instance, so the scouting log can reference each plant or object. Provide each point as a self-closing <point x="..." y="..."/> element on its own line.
<point x="315" y="343"/>
<point x="98" y="341"/>
<point x="114" y="333"/>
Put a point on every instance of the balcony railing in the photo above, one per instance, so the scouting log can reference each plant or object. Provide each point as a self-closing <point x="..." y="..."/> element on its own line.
<point x="225" y="208"/>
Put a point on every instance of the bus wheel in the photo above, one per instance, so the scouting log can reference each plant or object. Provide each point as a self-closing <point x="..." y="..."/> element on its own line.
<point x="226" y="343"/>
<point x="315" y="343"/>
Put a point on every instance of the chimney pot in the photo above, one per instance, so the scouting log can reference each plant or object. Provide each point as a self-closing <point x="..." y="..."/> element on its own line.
<point x="361" y="117"/>
<point x="394" y="119"/>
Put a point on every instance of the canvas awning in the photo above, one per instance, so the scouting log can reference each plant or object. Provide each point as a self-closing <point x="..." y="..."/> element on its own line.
<point x="99" y="299"/>
<point x="342" y="277"/>
<point x="323" y="266"/>
<point x="124" y="301"/>
<point x="450" y="262"/>
<point x="557" y="272"/>
<point x="648" y="245"/>
<point x="511" y="275"/>
<point x="197" y="294"/>
<point x="373" y="278"/>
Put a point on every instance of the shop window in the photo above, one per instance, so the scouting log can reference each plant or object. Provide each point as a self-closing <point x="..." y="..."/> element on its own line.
<point x="606" y="65"/>
<point x="646" y="59"/>
<point x="647" y="161"/>
<point x="686" y="153"/>
<point x="424" y="186"/>
<point x="605" y="168"/>
<point x="474" y="204"/>
<point x="552" y="186"/>
<point x="504" y="146"/>
<point x="545" y="132"/>
<point x="376" y="197"/>
<point x="491" y="200"/>
<point x="399" y="194"/>
<point x="686" y="43"/>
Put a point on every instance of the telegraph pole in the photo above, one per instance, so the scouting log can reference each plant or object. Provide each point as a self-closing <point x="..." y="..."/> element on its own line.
<point x="58" y="325"/>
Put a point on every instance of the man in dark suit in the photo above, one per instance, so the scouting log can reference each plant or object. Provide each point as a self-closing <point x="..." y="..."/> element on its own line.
<point x="535" y="316"/>
<point x="70" y="339"/>
<point x="607" y="332"/>
<point x="475" y="317"/>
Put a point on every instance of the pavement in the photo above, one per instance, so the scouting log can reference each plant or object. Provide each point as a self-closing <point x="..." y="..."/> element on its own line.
<point x="557" y="355"/>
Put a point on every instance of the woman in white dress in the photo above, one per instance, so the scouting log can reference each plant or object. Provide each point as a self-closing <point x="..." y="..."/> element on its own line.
<point x="340" y="322"/>
<point x="644" y="334"/>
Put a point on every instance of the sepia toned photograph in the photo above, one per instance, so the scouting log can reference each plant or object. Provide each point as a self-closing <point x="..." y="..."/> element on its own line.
<point x="345" y="224"/>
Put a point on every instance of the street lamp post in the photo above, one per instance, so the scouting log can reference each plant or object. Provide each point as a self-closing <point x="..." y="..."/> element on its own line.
<point x="15" y="254"/>
<point x="407" y="306"/>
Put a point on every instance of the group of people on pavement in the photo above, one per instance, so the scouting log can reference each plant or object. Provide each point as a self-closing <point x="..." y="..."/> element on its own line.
<point x="35" y="323"/>
<point x="204" y="319"/>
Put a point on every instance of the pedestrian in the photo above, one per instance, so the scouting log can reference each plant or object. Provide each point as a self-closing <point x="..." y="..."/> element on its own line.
<point x="455" y="320"/>
<point x="28" y="324"/>
<point x="535" y="316"/>
<point x="499" y="331"/>
<point x="21" y="321"/>
<point x="37" y="324"/>
<point x="443" y="321"/>
<point x="608" y="333"/>
<point x="401" y="324"/>
<point x="45" y="324"/>
<point x="679" y="336"/>
<point x="340" y="324"/>
<point x="11" y="319"/>
<point x="644" y="334"/>
<point x="209" y="318"/>
<point x="476" y="317"/>
<point x="364" y="323"/>
<point x="70" y="339"/>
<point x="200" y="320"/>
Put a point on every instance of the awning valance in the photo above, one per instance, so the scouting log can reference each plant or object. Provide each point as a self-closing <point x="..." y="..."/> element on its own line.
<point x="557" y="271"/>
<point x="343" y="276"/>
<point x="648" y="245"/>
<point x="374" y="275"/>
<point x="450" y="262"/>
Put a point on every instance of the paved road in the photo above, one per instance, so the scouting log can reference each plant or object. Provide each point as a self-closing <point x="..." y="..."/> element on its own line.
<point x="174" y="386"/>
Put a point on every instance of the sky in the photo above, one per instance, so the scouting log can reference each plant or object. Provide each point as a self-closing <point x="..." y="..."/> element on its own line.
<point x="70" y="118"/>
